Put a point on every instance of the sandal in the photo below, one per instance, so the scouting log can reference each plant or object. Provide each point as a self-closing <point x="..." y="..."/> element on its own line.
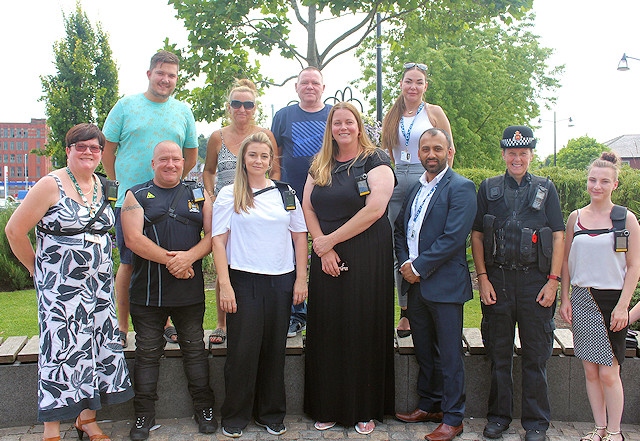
<point x="607" y="437"/>
<point x="361" y="428"/>
<point x="122" y="336"/>
<point x="218" y="334"/>
<point x="591" y="435"/>
<point x="323" y="426"/>
<point x="52" y="438"/>
<point x="402" y="333"/>
<point x="79" y="424"/>
<point x="169" y="333"/>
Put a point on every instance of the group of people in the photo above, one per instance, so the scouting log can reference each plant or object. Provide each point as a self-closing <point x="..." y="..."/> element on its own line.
<point x="376" y="218"/>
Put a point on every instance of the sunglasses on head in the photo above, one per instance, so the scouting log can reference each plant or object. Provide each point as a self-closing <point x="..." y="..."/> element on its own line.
<point x="422" y="67"/>
<point x="247" y="104"/>
<point x="83" y="148"/>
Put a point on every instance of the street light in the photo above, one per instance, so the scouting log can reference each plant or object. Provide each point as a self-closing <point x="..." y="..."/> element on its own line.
<point x="555" y="121"/>
<point x="623" y="65"/>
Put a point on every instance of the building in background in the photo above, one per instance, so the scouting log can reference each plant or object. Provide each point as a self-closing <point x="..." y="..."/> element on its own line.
<point x="628" y="148"/>
<point x="19" y="143"/>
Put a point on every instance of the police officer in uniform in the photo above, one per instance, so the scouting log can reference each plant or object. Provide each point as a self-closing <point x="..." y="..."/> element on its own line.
<point x="517" y="244"/>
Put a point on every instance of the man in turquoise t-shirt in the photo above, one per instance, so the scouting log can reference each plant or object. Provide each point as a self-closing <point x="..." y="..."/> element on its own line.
<point x="133" y="128"/>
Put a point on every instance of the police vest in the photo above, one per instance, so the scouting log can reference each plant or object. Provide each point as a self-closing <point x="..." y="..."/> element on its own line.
<point x="516" y="234"/>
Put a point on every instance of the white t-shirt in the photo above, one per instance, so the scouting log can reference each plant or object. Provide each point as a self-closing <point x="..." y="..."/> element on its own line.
<point x="259" y="241"/>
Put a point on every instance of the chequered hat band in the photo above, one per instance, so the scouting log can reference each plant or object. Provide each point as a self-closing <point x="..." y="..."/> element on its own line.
<point x="522" y="142"/>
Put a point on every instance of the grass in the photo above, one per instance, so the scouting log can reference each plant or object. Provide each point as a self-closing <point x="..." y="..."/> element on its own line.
<point x="19" y="313"/>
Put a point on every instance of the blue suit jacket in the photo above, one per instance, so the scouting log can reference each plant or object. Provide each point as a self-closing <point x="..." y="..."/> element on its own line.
<point x="442" y="262"/>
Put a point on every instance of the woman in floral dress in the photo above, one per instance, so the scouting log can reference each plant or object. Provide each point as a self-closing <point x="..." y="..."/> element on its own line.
<point x="81" y="364"/>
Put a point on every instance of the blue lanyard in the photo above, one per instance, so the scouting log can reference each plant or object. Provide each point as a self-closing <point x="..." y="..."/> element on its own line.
<point x="419" y="210"/>
<point x="407" y="135"/>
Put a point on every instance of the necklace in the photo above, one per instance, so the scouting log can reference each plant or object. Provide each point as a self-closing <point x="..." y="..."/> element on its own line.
<point x="410" y="112"/>
<point x="92" y="207"/>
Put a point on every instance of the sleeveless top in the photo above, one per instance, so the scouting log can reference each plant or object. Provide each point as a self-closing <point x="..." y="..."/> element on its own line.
<point x="226" y="170"/>
<point x="593" y="263"/>
<point x="421" y="123"/>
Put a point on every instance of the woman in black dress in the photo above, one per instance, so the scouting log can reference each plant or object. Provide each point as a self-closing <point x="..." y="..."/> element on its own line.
<point x="349" y="347"/>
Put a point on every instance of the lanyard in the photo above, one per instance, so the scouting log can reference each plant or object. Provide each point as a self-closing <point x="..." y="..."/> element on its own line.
<point x="427" y="197"/>
<point x="406" y="134"/>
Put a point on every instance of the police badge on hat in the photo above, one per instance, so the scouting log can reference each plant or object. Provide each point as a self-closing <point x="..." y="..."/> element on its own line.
<point x="517" y="137"/>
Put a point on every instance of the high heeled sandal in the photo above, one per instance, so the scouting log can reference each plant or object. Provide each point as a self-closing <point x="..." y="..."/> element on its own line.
<point x="79" y="424"/>
<point x="590" y="436"/>
<point x="52" y="438"/>
<point x="607" y="437"/>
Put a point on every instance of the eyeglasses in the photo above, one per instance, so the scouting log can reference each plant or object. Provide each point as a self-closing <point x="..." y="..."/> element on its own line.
<point x="422" y="67"/>
<point x="83" y="148"/>
<point x="248" y="105"/>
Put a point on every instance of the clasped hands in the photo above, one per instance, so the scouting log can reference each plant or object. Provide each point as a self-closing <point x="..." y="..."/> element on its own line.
<point x="180" y="265"/>
<point x="408" y="274"/>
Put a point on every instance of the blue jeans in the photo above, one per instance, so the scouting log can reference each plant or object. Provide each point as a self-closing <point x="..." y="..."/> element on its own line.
<point x="148" y="322"/>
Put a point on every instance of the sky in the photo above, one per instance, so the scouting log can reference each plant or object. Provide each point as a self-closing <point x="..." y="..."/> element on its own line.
<point x="588" y="37"/>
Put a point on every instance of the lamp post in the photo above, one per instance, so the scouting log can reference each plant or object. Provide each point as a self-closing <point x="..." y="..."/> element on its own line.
<point x="555" y="122"/>
<point x="623" y="65"/>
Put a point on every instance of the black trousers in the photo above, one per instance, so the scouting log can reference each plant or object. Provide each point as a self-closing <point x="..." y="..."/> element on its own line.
<point x="256" y="345"/>
<point x="516" y="292"/>
<point x="148" y="322"/>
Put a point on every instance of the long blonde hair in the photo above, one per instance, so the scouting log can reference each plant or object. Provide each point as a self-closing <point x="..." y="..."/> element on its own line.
<point x="324" y="161"/>
<point x="242" y="192"/>
<point x="391" y="121"/>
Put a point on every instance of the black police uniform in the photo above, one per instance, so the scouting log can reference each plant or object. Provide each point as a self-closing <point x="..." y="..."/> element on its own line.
<point x="517" y="263"/>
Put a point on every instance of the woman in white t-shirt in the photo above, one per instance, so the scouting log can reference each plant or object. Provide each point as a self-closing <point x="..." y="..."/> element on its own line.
<point x="260" y="252"/>
<point x="601" y="266"/>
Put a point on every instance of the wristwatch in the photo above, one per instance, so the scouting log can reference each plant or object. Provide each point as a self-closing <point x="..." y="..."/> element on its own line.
<point x="554" y="277"/>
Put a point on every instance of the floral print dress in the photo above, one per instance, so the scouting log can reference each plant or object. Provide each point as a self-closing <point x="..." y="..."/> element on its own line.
<point x="81" y="364"/>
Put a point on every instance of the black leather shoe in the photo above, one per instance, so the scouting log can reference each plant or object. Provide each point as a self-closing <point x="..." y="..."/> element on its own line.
<point x="494" y="429"/>
<point x="535" y="435"/>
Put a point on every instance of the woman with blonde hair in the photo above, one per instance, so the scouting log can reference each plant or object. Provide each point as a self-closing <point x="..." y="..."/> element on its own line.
<point x="260" y="252"/>
<point x="349" y="376"/>
<point x="222" y="154"/>
<point x="601" y="268"/>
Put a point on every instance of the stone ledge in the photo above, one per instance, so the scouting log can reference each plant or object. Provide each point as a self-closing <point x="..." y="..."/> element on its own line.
<point x="18" y="382"/>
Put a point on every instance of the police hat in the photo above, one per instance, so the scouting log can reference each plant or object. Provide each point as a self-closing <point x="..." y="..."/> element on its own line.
<point x="517" y="137"/>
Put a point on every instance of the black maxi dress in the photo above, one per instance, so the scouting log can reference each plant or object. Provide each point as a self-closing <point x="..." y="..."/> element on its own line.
<point x="349" y="374"/>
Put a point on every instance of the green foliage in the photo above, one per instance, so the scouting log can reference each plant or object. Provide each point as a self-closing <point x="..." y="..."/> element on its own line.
<point x="13" y="275"/>
<point x="19" y="313"/>
<point x="225" y="37"/>
<point x="85" y="87"/>
<point x="202" y="147"/>
<point x="485" y="76"/>
<point x="580" y="152"/>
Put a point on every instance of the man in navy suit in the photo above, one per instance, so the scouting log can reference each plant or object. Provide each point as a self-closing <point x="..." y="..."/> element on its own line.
<point x="430" y="240"/>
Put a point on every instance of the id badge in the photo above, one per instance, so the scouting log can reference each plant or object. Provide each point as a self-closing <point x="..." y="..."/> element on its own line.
<point x="405" y="156"/>
<point x="90" y="237"/>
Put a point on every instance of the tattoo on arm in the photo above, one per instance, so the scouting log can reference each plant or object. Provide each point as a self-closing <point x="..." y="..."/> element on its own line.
<point x="131" y="207"/>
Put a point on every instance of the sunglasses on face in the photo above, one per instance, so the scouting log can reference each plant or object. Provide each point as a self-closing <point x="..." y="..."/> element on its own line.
<point x="248" y="105"/>
<point x="422" y="67"/>
<point x="81" y="148"/>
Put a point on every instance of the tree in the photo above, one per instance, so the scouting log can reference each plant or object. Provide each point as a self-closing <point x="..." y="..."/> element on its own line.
<point x="579" y="153"/>
<point x="485" y="77"/>
<point x="224" y="35"/>
<point x="85" y="87"/>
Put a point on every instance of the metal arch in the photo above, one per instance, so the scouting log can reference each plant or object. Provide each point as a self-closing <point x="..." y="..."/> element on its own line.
<point x="345" y="94"/>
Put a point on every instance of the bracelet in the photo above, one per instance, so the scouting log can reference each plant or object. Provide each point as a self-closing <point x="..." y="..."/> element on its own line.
<point x="554" y="277"/>
<point x="481" y="274"/>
